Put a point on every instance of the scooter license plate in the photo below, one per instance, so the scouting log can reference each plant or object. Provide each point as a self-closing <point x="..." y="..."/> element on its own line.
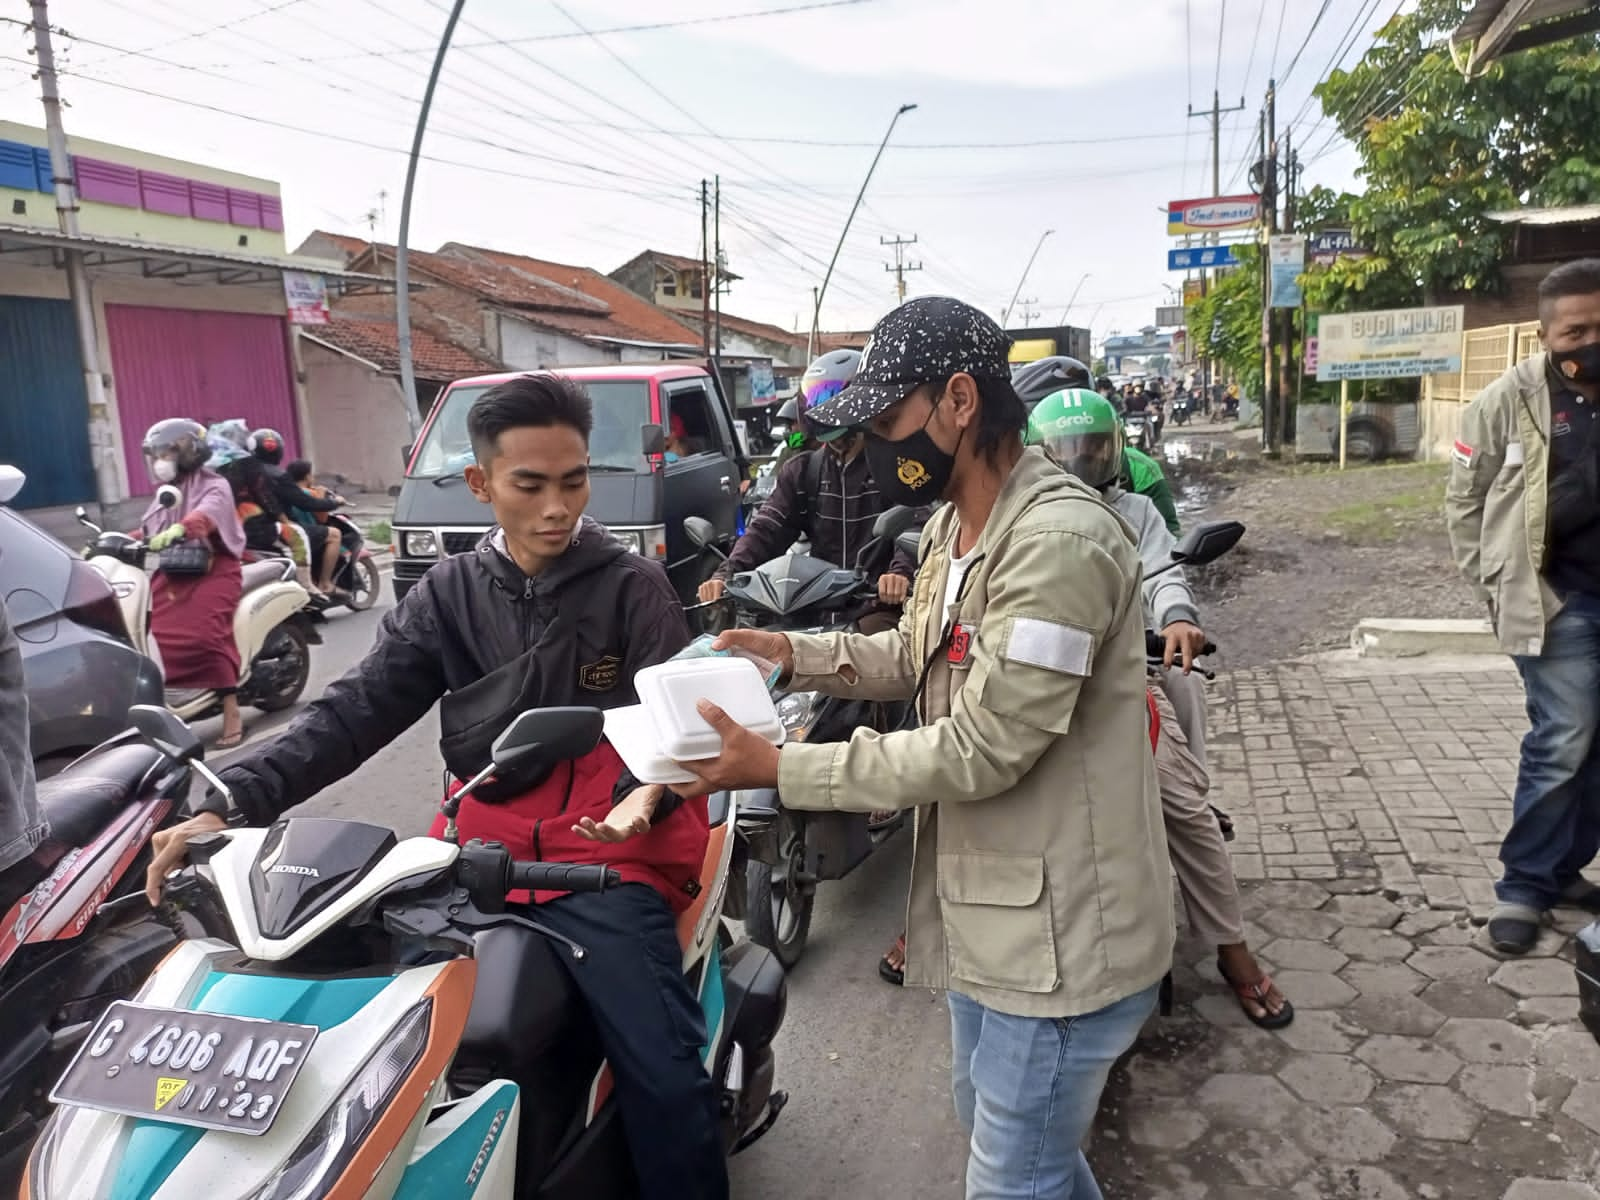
<point x="188" y="1068"/>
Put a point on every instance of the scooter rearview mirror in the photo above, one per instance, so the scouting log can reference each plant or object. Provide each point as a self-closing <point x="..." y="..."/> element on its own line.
<point x="1207" y="542"/>
<point x="700" y="531"/>
<point x="559" y="733"/>
<point x="164" y="730"/>
<point x="168" y="496"/>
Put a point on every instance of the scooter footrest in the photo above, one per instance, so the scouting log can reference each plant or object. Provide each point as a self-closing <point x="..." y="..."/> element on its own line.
<point x="775" y="1105"/>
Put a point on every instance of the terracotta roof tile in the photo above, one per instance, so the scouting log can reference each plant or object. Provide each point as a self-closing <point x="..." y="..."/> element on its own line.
<point x="377" y="341"/>
<point x="630" y="317"/>
<point x="677" y="262"/>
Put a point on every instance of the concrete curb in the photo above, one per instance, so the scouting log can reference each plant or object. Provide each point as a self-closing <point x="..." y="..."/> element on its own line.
<point x="1403" y="637"/>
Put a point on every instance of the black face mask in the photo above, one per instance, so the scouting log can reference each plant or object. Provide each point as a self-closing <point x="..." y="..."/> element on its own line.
<point x="913" y="470"/>
<point x="1580" y="366"/>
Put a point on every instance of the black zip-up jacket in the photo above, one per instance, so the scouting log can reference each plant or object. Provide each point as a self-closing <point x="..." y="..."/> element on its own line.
<point x="291" y="495"/>
<point x="837" y="520"/>
<point x="469" y="617"/>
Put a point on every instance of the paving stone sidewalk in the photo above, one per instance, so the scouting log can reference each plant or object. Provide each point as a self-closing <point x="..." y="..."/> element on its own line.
<point x="1369" y="798"/>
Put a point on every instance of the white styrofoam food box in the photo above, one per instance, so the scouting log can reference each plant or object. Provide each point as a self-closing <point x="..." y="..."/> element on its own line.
<point x="665" y="728"/>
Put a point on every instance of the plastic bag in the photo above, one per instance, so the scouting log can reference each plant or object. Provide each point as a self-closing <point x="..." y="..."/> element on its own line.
<point x="701" y="647"/>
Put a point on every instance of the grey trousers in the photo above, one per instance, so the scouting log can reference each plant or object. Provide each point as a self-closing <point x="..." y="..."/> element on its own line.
<point x="1194" y="840"/>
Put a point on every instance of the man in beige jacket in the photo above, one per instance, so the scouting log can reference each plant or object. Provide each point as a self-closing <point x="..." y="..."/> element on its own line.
<point x="1523" y="510"/>
<point x="1040" y="896"/>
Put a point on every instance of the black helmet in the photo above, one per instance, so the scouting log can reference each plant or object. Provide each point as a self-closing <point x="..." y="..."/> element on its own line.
<point x="824" y="379"/>
<point x="1103" y="385"/>
<point x="1036" y="380"/>
<point x="177" y="440"/>
<point x="267" y="445"/>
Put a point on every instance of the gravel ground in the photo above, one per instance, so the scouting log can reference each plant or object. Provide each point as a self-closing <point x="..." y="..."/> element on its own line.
<point x="1323" y="548"/>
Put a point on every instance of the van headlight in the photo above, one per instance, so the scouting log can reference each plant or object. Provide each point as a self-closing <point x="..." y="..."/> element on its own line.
<point x="650" y="542"/>
<point x="321" y="1157"/>
<point x="419" y="543"/>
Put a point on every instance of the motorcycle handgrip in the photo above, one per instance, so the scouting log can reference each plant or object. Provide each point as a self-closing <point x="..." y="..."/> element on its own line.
<point x="1155" y="646"/>
<point x="562" y="877"/>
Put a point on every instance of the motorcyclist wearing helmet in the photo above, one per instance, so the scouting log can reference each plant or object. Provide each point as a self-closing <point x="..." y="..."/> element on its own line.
<point x="191" y="609"/>
<point x="1080" y="433"/>
<point x="825" y="495"/>
<point x="1138" y="471"/>
<point x="268" y="446"/>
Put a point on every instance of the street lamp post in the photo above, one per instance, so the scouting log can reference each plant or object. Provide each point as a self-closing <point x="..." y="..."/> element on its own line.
<point x="1074" y="298"/>
<point x="1006" y="315"/>
<point x="402" y="273"/>
<point x="816" y="311"/>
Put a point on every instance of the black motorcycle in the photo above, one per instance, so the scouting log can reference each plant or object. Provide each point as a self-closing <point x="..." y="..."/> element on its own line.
<point x="791" y="852"/>
<point x="78" y="932"/>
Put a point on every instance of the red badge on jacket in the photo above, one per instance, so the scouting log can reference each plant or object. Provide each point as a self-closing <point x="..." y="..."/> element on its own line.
<point x="960" y="644"/>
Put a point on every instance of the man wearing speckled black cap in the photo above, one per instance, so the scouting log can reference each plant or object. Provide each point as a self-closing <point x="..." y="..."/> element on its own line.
<point x="1040" y="896"/>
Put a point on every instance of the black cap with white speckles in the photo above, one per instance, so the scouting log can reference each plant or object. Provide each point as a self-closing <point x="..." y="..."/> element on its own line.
<point x="925" y="340"/>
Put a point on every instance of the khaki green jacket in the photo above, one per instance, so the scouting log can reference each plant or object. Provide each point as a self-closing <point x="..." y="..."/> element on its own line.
<point x="1495" y="503"/>
<point x="1039" y="884"/>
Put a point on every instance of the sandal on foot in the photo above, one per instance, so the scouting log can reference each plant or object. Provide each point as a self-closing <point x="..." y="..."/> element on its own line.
<point x="228" y="741"/>
<point x="1257" y="993"/>
<point x="887" y="971"/>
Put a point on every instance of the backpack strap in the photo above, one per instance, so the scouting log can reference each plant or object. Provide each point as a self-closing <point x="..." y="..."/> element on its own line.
<point x="810" y="484"/>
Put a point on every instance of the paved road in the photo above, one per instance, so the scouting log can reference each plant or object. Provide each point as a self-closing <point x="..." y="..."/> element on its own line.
<point x="866" y="1066"/>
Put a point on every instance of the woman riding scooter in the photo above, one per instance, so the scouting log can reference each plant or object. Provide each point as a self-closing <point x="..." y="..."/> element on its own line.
<point x="197" y="588"/>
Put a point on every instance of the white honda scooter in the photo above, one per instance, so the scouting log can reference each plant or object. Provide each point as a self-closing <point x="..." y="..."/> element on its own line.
<point x="269" y="626"/>
<point x="381" y="1026"/>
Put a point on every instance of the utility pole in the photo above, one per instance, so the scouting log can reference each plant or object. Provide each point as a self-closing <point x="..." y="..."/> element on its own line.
<point x="1288" y="392"/>
<point x="900" y="265"/>
<point x="1272" y="399"/>
<point x="816" y="310"/>
<point x="705" y="270"/>
<point x="1029" y="312"/>
<point x="717" y="352"/>
<point x="402" y="245"/>
<point x="101" y="442"/>
<point x="1215" y="114"/>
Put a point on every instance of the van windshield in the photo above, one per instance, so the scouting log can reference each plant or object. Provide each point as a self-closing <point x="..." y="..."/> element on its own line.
<point x="621" y="406"/>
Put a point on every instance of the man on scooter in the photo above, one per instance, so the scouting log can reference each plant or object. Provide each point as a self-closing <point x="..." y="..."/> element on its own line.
<point x="1140" y="472"/>
<point x="549" y="610"/>
<point x="825" y="495"/>
<point x="1080" y="433"/>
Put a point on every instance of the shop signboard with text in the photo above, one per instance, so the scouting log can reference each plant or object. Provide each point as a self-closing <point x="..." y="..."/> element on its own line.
<point x="1213" y="214"/>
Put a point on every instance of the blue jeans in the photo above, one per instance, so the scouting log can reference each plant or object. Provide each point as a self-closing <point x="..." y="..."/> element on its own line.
<point x="1555" y="825"/>
<point x="1027" y="1089"/>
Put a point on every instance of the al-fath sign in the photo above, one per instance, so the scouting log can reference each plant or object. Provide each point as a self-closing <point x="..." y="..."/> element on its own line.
<point x="1209" y="216"/>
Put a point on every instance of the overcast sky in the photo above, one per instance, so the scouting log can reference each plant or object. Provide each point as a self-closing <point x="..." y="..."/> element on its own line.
<point x="589" y="149"/>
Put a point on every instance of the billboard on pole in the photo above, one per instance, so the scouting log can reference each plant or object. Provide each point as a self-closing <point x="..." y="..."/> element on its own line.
<point x="1199" y="257"/>
<point x="1168" y="315"/>
<point x="1287" y="254"/>
<point x="1210" y="215"/>
<point x="1392" y="344"/>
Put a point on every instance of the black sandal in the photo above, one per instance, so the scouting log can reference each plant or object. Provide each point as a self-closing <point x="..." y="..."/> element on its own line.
<point x="1257" y="993"/>
<point x="887" y="971"/>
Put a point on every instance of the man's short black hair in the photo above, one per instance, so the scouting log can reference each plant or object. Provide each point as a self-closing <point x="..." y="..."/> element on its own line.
<point x="1580" y="277"/>
<point x="540" y="399"/>
<point x="298" y="470"/>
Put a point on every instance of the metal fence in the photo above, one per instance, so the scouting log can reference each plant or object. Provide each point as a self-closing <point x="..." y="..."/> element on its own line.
<point x="1486" y="354"/>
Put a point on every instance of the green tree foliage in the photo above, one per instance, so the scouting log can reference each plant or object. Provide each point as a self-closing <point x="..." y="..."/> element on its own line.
<point x="1440" y="152"/>
<point x="1225" y="324"/>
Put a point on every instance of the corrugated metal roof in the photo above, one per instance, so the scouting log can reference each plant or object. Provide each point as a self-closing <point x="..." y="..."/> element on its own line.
<point x="1575" y="214"/>
<point x="32" y="235"/>
<point x="1498" y="20"/>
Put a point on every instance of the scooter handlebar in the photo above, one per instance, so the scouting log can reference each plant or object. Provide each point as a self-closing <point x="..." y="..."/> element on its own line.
<point x="1155" y="646"/>
<point x="562" y="877"/>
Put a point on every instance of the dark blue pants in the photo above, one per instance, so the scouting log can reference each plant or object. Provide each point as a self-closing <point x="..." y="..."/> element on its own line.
<point x="652" y="1030"/>
<point x="1555" y="826"/>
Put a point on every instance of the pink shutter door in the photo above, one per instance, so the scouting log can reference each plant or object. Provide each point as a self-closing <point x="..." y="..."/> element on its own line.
<point x="210" y="366"/>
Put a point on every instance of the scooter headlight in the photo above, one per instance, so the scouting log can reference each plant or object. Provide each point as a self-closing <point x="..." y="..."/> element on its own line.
<point x="320" y="1159"/>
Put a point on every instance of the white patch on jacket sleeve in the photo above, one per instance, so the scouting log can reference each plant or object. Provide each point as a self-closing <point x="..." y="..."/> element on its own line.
<point x="1046" y="644"/>
<point x="1513" y="454"/>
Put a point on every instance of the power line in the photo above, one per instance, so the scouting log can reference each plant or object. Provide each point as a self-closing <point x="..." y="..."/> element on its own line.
<point x="1295" y="61"/>
<point x="1277" y="38"/>
<point x="1336" y="59"/>
<point x="1222" y="23"/>
<point x="495" y="43"/>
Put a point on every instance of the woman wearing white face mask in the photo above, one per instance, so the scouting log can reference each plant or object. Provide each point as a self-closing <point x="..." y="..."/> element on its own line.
<point x="194" y="594"/>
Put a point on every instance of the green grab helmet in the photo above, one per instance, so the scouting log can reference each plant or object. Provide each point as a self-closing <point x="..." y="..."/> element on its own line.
<point x="1081" y="433"/>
